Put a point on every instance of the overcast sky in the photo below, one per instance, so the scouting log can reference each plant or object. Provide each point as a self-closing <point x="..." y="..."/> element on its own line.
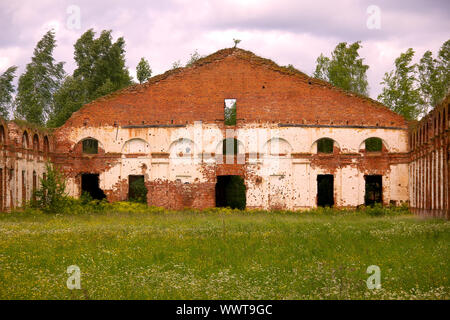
<point x="288" y="32"/>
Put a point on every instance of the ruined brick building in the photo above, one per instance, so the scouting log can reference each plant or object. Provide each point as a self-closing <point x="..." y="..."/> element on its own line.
<point x="297" y="142"/>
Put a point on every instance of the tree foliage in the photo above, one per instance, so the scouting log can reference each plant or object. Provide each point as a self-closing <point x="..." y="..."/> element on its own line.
<point x="6" y="91"/>
<point x="51" y="196"/>
<point x="39" y="82"/>
<point x="230" y="115"/>
<point x="143" y="70"/>
<point x="138" y="191"/>
<point x="68" y="99"/>
<point x="345" y="69"/>
<point x="434" y="76"/>
<point x="100" y="70"/>
<point x="100" y="63"/>
<point x="400" y="92"/>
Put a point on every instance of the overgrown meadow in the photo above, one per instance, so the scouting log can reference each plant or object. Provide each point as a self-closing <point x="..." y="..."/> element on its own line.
<point x="131" y="251"/>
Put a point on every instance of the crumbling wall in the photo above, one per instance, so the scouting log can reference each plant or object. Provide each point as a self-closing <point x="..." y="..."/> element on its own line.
<point x="429" y="167"/>
<point x="171" y="130"/>
<point x="24" y="150"/>
<point x="279" y="163"/>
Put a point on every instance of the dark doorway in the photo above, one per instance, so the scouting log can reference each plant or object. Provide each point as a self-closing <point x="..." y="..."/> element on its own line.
<point x="90" y="184"/>
<point x="137" y="191"/>
<point x="230" y="192"/>
<point x="374" y="190"/>
<point x="325" y="190"/>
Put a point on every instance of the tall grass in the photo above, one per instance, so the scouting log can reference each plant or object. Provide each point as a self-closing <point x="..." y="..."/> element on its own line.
<point x="131" y="251"/>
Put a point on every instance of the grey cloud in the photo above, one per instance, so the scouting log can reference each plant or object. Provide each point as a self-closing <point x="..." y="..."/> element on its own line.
<point x="288" y="31"/>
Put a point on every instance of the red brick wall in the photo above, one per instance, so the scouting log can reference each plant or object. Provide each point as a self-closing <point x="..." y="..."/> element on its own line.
<point x="430" y="157"/>
<point x="264" y="91"/>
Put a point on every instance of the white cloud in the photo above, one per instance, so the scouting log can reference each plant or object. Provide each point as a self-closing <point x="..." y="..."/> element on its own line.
<point x="288" y="32"/>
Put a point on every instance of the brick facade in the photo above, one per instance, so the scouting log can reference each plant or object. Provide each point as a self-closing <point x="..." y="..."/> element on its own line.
<point x="170" y="130"/>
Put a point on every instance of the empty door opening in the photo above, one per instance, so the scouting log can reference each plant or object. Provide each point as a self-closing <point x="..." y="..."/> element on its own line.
<point x="230" y="192"/>
<point x="137" y="191"/>
<point x="325" y="190"/>
<point x="374" y="190"/>
<point x="90" y="184"/>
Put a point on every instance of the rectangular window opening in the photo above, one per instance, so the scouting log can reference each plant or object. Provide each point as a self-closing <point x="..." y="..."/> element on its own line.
<point x="230" y="112"/>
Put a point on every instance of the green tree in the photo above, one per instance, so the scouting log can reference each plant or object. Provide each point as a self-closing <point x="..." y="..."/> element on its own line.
<point x="39" y="82"/>
<point x="99" y="60"/>
<point x="143" y="70"/>
<point x="100" y="70"/>
<point x="434" y="76"/>
<point x="230" y="115"/>
<point x="400" y="92"/>
<point x="345" y="69"/>
<point x="68" y="99"/>
<point x="51" y="196"/>
<point x="6" y="91"/>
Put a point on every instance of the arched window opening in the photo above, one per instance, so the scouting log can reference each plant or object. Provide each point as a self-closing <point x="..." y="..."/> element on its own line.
<point x="325" y="145"/>
<point x="230" y="146"/>
<point x="181" y="148"/>
<point x="373" y="145"/>
<point x="2" y="135"/>
<point x="25" y="140"/>
<point x="90" y="146"/>
<point x="35" y="143"/>
<point x="46" y="145"/>
<point x="34" y="186"/>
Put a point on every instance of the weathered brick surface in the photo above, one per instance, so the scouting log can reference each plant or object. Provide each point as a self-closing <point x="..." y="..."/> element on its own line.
<point x="23" y="153"/>
<point x="429" y="167"/>
<point x="268" y="96"/>
<point x="264" y="91"/>
<point x="282" y="102"/>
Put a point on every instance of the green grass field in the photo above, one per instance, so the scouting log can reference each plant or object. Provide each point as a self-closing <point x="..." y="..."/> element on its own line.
<point x="220" y="254"/>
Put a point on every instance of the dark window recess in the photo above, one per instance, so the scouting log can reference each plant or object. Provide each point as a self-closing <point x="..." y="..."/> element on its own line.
<point x="90" y="146"/>
<point x="374" y="190"/>
<point x="230" y="112"/>
<point x="230" y="146"/>
<point x="34" y="186"/>
<point x="2" y="135"/>
<point x="373" y="145"/>
<point x="35" y="142"/>
<point x="325" y="190"/>
<point x="1" y="189"/>
<point x="46" y="145"/>
<point x="137" y="191"/>
<point x="25" y="140"/>
<point x="325" y="145"/>
<point x="90" y="185"/>
<point x="230" y="192"/>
